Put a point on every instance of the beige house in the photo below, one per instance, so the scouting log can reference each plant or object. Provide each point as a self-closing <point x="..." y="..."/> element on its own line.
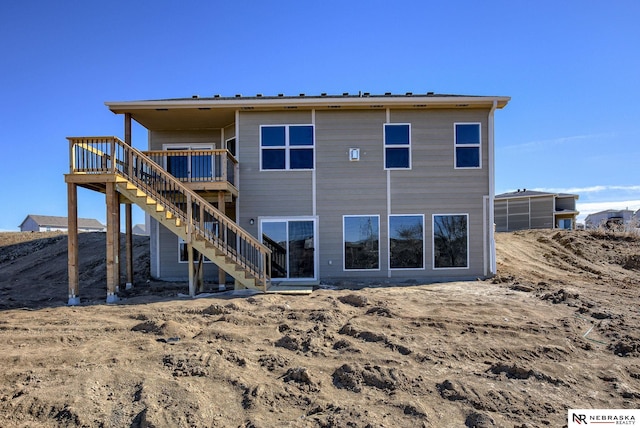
<point x="280" y="193"/>
<point x="611" y="218"/>
<point x="47" y="223"/>
<point x="529" y="209"/>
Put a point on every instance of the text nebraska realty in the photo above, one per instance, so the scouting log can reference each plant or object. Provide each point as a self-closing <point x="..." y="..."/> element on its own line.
<point x="604" y="419"/>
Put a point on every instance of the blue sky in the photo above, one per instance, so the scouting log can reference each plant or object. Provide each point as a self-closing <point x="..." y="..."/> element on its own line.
<point x="571" y="67"/>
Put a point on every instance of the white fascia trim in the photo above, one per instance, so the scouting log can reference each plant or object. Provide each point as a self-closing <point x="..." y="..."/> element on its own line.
<point x="492" y="190"/>
<point x="314" y="190"/>
<point x="281" y="102"/>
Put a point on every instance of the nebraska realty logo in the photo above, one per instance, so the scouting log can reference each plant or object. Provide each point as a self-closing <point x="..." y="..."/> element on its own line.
<point x="600" y="417"/>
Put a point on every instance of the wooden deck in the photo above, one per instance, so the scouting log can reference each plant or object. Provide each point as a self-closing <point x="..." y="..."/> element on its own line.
<point x="128" y="176"/>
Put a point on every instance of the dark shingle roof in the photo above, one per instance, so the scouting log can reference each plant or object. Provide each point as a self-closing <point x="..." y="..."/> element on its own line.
<point x="360" y="94"/>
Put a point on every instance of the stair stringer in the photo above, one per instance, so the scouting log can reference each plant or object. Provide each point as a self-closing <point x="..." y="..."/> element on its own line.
<point x="180" y="228"/>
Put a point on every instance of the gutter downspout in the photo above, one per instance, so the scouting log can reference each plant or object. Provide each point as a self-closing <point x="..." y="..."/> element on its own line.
<point x="492" y="190"/>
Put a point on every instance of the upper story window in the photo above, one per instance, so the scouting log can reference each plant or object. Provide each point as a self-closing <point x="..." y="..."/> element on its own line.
<point x="286" y="147"/>
<point x="397" y="146"/>
<point x="467" y="145"/>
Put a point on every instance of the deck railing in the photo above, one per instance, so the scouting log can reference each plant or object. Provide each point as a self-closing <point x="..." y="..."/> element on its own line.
<point x="195" y="166"/>
<point x="109" y="155"/>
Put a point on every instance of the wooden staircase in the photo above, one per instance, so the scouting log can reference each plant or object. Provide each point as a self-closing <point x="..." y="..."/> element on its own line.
<point x="141" y="181"/>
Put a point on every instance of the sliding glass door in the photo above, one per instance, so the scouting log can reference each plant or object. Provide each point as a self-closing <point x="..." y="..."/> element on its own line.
<point x="292" y="244"/>
<point x="192" y="163"/>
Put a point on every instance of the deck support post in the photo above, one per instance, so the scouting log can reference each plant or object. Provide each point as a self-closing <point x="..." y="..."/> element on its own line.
<point x="128" y="215"/>
<point x="200" y="271"/>
<point x="192" y="285"/>
<point x="113" y="241"/>
<point x="129" y="246"/>
<point x="222" y="275"/>
<point x="72" y="244"/>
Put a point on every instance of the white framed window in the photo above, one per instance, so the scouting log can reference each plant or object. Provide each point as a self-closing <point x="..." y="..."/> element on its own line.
<point x="406" y="241"/>
<point x="361" y="242"/>
<point x="467" y="145"/>
<point x="230" y="145"/>
<point x="183" y="254"/>
<point x="450" y="241"/>
<point x="397" y="145"/>
<point x="287" y="147"/>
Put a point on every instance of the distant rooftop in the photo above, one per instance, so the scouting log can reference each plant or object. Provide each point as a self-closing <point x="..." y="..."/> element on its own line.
<point x="54" y="221"/>
<point x="524" y="193"/>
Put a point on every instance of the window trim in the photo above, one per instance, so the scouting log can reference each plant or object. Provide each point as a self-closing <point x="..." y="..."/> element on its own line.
<point x="424" y="261"/>
<point x="235" y="143"/>
<point x="344" y="253"/>
<point x="478" y="145"/>
<point x="433" y="242"/>
<point x="288" y="147"/>
<point x="397" y="146"/>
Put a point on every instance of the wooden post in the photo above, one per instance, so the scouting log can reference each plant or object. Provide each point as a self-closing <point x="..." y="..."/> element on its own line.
<point x="72" y="243"/>
<point x="129" y="245"/>
<point x="200" y="273"/>
<point x="222" y="275"/>
<point x="192" y="286"/>
<point x="128" y="213"/>
<point x="112" y="273"/>
<point x="116" y="239"/>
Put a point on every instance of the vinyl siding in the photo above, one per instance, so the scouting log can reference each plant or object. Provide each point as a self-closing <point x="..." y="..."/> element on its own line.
<point x="270" y="193"/>
<point x="207" y="136"/>
<point x="566" y="203"/>
<point x="542" y="213"/>
<point x="170" y="268"/>
<point x="349" y="188"/>
<point x="442" y="189"/>
<point x="432" y="186"/>
<point x="352" y="188"/>
<point x="500" y="216"/>
<point x="519" y="214"/>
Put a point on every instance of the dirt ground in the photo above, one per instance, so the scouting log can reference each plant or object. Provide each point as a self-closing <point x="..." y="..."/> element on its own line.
<point x="557" y="328"/>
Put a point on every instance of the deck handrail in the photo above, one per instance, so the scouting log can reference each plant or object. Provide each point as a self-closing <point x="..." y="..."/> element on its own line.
<point x="201" y="166"/>
<point x="100" y="155"/>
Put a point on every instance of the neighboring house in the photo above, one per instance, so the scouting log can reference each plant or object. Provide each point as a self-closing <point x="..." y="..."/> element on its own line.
<point x="529" y="209"/>
<point x="140" y="229"/>
<point x="290" y="191"/>
<point x="46" y="223"/>
<point x="609" y="218"/>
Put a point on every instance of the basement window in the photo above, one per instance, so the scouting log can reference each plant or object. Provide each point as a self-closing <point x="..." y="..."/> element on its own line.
<point x="361" y="239"/>
<point x="450" y="241"/>
<point x="183" y="254"/>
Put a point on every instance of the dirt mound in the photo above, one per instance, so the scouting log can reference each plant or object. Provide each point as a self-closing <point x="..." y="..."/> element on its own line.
<point x="557" y="328"/>
<point x="33" y="267"/>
